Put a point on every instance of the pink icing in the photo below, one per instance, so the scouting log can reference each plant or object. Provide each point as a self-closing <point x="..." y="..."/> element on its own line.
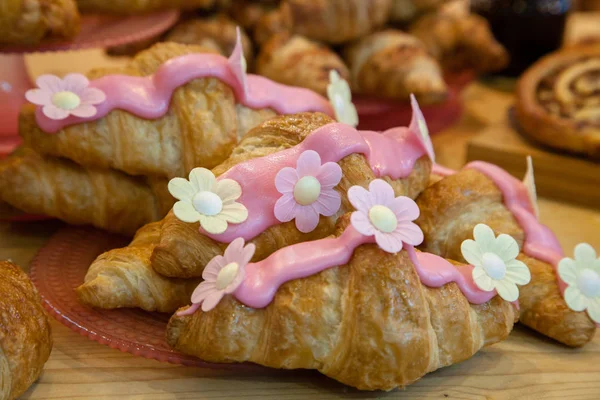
<point x="540" y="241"/>
<point x="437" y="169"/>
<point x="392" y="153"/>
<point x="149" y="97"/>
<point x="263" y="279"/>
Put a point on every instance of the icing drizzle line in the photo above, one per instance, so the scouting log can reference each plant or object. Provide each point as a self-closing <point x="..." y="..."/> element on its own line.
<point x="149" y="97"/>
<point x="392" y="153"/>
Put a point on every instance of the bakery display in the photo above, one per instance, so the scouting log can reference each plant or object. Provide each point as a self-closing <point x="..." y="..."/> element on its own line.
<point x="140" y="6"/>
<point x="557" y="103"/>
<point x="174" y="107"/>
<point x="25" y="335"/>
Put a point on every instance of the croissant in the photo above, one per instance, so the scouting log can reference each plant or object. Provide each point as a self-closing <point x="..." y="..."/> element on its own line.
<point x="124" y="278"/>
<point x="370" y="324"/>
<point x="107" y="199"/>
<point x="336" y="21"/>
<point x="139" y="6"/>
<point x="182" y="252"/>
<point x="460" y="41"/>
<point x="25" y="334"/>
<point x="394" y="64"/>
<point x="407" y="10"/>
<point x="28" y="22"/>
<point x="449" y="211"/>
<point x="271" y="23"/>
<point x="297" y="61"/>
<point x="247" y="13"/>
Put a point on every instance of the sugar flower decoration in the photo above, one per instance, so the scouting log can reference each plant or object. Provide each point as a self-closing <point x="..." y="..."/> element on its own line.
<point x="384" y="216"/>
<point x="237" y="61"/>
<point x="494" y="259"/>
<point x="340" y="98"/>
<point x="211" y="202"/>
<point x="582" y="275"/>
<point x="60" y="98"/>
<point x="308" y="191"/>
<point x="222" y="275"/>
<point x="419" y="126"/>
<point x="529" y="182"/>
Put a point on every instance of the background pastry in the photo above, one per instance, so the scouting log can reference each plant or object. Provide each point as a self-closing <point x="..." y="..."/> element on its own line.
<point x="139" y="6"/>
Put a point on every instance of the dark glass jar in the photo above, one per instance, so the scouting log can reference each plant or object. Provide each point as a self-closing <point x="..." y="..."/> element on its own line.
<point x="528" y="29"/>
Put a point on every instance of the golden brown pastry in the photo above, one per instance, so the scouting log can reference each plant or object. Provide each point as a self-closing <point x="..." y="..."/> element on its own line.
<point x="297" y="61"/>
<point x="139" y="6"/>
<point x="182" y="252"/>
<point x="123" y="278"/>
<point x="247" y="13"/>
<point x="200" y="130"/>
<point x="336" y="21"/>
<point x="394" y="64"/>
<point x="370" y="324"/>
<point x="270" y="24"/>
<point x="460" y="41"/>
<point x="558" y="103"/>
<point x="28" y="22"/>
<point x="25" y="334"/>
<point x="217" y="33"/>
<point x="452" y="207"/>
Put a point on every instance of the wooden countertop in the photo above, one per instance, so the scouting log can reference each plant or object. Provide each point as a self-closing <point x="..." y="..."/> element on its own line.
<point x="525" y="366"/>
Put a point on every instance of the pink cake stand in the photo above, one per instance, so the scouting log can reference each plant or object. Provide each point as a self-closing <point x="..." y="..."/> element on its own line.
<point x="97" y="31"/>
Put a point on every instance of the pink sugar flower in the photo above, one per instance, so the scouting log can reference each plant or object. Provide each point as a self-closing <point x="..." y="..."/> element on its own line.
<point x="222" y="276"/>
<point x="308" y="191"/>
<point x="419" y="126"/>
<point x="60" y="98"/>
<point x="384" y="216"/>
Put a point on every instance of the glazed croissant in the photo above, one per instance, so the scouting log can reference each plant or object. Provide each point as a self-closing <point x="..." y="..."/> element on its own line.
<point x="139" y="6"/>
<point x="28" y="22"/>
<point x="182" y="252"/>
<point x="107" y="199"/>
<point x="297" y="61"/>
<point x="124" y="278"/>
<point x="460" y="41"/>
<point x="25" y="334"/>
<point x="200" y="129"/>
<point x="394" y="64"/>
<point x="370" y="324"/>
<point x="452" y="207"/>
<point x="336" y="21"/>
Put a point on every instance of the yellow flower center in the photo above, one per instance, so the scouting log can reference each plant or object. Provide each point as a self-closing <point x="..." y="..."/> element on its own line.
<point x="227" y="275"/>
<point x="207" y="203"/>
<point x="66" y="100"/>
<point x="383" y="218"/>
<point x="307" y="190"/>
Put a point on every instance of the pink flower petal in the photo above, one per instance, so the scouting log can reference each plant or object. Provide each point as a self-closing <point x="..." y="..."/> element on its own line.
<point x="247" y="254"/>
<point x="212" y="300"/>
<point x="84" y="111"/>
<point x="308" y="164"/>
<point x="50" y="83"/>
<point x="286" y="208"/>
<point x="39" y="97"/>
<point x="360" y="198"/>
<point x="188" y="311"/>
<point x="75" y="83"/>
<point x="213" y="267"/>
<point x="53" y="112"/>
<point x="409" y="232"/>
<point x="330" y="175"/>
<point x="405" y="208"/>
<point x="202" y="291"/>
<point x="307" y="219"/>
<point x="418" y="125"/>
<point x="234" y="250"/>
<point x="286" y="180"/>
<point x="382" y="192"/>
<point x="92" y="96"/>
<point x="360" y="221"/>
<point x="389" y="242"/>
<point x="328" y="203"/>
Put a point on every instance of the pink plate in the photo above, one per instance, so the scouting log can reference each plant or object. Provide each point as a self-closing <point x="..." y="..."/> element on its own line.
<point x="60" y="266"/>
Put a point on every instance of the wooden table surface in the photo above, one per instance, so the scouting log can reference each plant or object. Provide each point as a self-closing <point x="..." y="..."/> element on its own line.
<point x="525" y="366"/>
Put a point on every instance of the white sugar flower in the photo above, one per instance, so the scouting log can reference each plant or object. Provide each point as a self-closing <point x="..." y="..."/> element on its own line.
<point x="340" y="98"/>
<point x="529" y="182"/>
<point x="211" y="202"/>
<point x="582" y="275"/>
<point x="494" y="259"/>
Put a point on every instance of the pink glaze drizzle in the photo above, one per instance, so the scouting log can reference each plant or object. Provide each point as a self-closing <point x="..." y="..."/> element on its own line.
<point x="392" y="153"/>
<point x="263" y="279"/>
<point x="442" y="171"/>
<point x="149" y="97"/>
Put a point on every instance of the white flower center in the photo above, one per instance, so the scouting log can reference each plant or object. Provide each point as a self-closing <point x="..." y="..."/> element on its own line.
<point x="307" y="190"/>
<point x="588" y="282"/>
<point x="207" y="203"/>
<point x="227" y="275"/>
<point x="493" y="266"/>
<point x="383" y="219"/>
<point x="66" y="100"/>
